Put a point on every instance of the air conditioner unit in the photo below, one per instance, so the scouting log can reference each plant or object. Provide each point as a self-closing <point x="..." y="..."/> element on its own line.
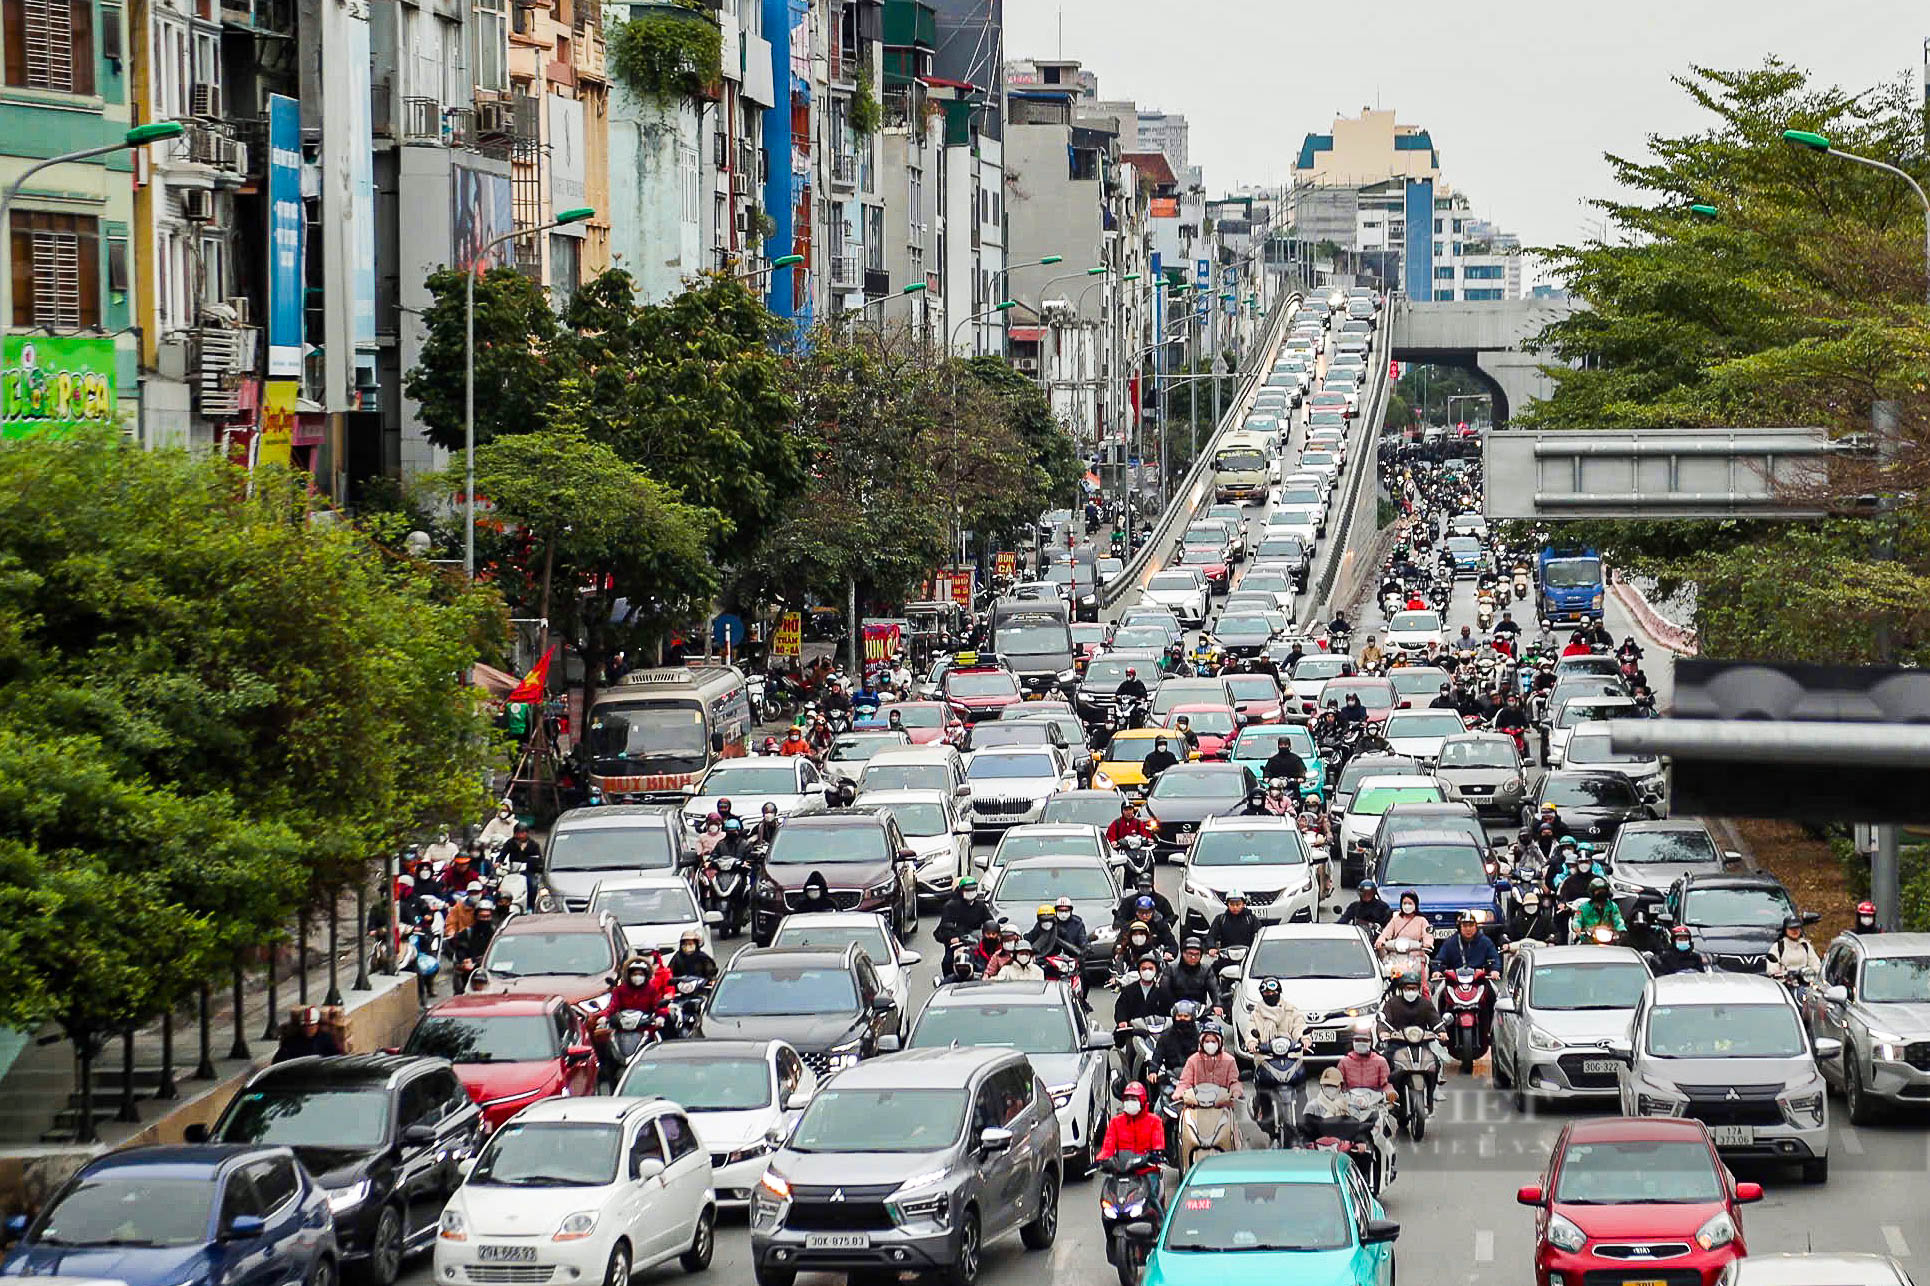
<point x="238" y="157"/>
<point x="241" y="308"/>
<point x="494" y="117"/>
<point x="740" y="183"/>
<point x="197" y="205"/>
<point x="204" y="101"/>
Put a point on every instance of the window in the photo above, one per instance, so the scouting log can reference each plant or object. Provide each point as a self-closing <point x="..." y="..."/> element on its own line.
<point x="1444" y="274"/>
<point x="1457" y="250"/>
<point x="239" y="1199"/>
<point x="874" y="237"/>
<point x="1483" y="271"/>
<point x="1437" y="227"/>
<point x="566" y="271"/>
<point x="647" y="1147"/>
<point x="491" y="55"/>
<point x="687" y="179"/>
<point x="1481" y="294"/>
<point x="1437" y="248"/>
<point x="1444" y="295"/>
<point x="421" y="1102"/>
<point x="56" y="269"/>
<point x="274" y="1181"/>
<point x="50" y="45"/>
<point x="1457" y="227"/>
<point x="678" y="1137"/>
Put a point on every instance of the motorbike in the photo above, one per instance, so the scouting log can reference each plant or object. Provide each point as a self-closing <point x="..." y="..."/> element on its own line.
<point x="1130" y="1210"/>
<point x="1279" y="1088"/>
<point x="1140" y="1047"/>
<point x="633" y="1032"/>
<point x="1129" y="713"/>
<point x="1484" y="613"/>
<point x="1365" y="1133"/>
<point x="686" y="1010"/>
<point x="1206" y="1124"/>
<point x="1416" y="1067"/>
<point x="1464" y="995"/>
<point x="1405" y="957"/>
<point x="1521" y="583"/>
<point x="725" y="887"/>
<point x="1068" y="969"/>
<point x="754" y="689"/>
<point x="1138" y="857"/>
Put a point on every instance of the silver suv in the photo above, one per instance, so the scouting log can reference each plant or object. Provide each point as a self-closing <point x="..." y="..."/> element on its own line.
<point x="913" y="1161"/>
<point x="1730" y="1050"/>
<point x="1875" y="998"/>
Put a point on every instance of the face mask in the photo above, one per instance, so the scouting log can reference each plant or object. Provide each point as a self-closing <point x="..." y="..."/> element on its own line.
<point x="637" y="980"/>
<point x="1410" y="994"/>
<point x="1683" y="945"/>
<point x="687" y="947"/>
<point x="1024" y="957"/>
<point x="1362" y="1047"/>
<point x="814" y="893"/>
<point x="970" y="895"/>
<point x="1062" y="916"/>
<point x="1409" y="908"/>
<point x="1133" y="1106"/>
<point x="1209" y="1047"/>
<point x="1148" y="975"/>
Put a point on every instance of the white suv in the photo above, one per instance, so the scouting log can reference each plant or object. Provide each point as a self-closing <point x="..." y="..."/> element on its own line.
<point x="1263" y="857"/>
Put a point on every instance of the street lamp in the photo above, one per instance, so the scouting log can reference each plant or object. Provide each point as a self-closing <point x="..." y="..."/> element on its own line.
<point x="1818" y="143"/>
<point x="1707" y="212"/>
<point x="563" y="218"/>
<point x="782" y="261"/>
<point x="910" y="288"/>
<point x="1010" y="268"/>
<point x="139" y="136"/>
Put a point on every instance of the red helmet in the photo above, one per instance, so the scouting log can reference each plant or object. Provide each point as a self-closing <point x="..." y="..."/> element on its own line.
<point x="1866" y="908"/>
<point x="1135" y="1090"/>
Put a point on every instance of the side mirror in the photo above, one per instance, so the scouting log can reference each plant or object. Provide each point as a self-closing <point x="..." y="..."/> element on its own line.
<point x="1811" y="917"/>
<point x="1530" y="1195"/>
<point x="243" y="1226"/>
<point x="16" y="1226"/>
<point x="994" y="1140"/>
<point x="1747" y="1192"/>
<point x="883" y="1003"/>
<point x="889" y="1043"/>
<point x="716" y="743"/>
<point x="419" y="1135"/>
<point x="963" y="826"/>
<point x="713" y="918"/>
<point x="962" y="791"/>
<point x="1837" y="994"/>
<point x="800" y="1098"/>
<point x="196" y="1133"/>
<point x="983" y="861"/>
<point x="909" y="958"/>
<point x="645" y="1169"/>
<point x="1828" y="1047"/>
<point x="1730" y="857"/>
<point x="464" y="1166"/>
<point x="1378" y="1232"/>
<point x="579" y="1053"/>
<point x="1098" y="1040"/>
<point x="1506" y="1005"/>
<point x="908" y="855"/>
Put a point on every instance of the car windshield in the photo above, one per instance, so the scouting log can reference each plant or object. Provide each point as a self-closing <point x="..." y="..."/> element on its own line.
<point x="1044" y="844"/>
<point x="1638" y="1172"/>
<point x="1181" y="581"/>
<point x="1361" y="767"/>
<point x="1267" y="582"/>
<point x="1248" y="625"/>
<point x="1177" y="783"/>
<point x="1029" y="639"/>
<point x="1148" y="637"/>
<point x="1249" y="846"/>
<point x="1222" y="1217"/>
<point x="1036" y="884"/>
<point x="648" y="736"/>
<point x="1321" y="957"/>
<point x="1264" y="743"/>
<point x="1319" y="667"/>
<point x="1735" y="907"/>
<point x="919" y="820"/>
<point x="919" y="716"/>
<point x="1896" y="980"/>
<point x="986" y="736"/>
<point x="1725" y="1031"/>
<point x="308" y="1117"/>
<point x="1030" y="1029"/>
<point x="1593" y="748"/>
<point x="1377" y="800"/>
<point x="550" y="1154"/>
<point x="988" y="767"/>
<point x="709" y="1084"/>
<point x="858" y="748"/>
<point x="670" y="904"/>
<point x="1090" y="810"/>
<point x="828" y="845"/>
<point x="1615" y="984"/>
<point x="751" y="779"/>
<point x="1677" y="847"/>
<point x="1573" y="573"/>
<point x="881" y="1120"/>
<point x="1579" y="711"/>
<point x="1410" y="622"/>
<point x="999" y="684"/>
<point x="129" y="1209"/>
<point x="1373" y="695"/>
<point x="754" y="993"/>
<point x="901" y="776"/>
<point x="1214" y="723"/>
<point x="1423" y="723"/>
<point x="524" y="955"/>
<point x="1409" y="864"/>
<point x="1588" y="792"/>
<point x="610" y="848"/>
<point x="1241" y="461"/>
<point x="1102" y="671"/>
<point x="836" y="933"/>
<point x="1463" y="544"/>
<point x="1197" y="557"/>
<point x="510" y="1038"/>
<point x="1478" y="754"/>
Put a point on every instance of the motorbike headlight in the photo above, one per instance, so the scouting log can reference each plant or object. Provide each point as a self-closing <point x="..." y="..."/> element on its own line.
<point x="1718" y="1230"/>
<point x="575" y="1227"/>
<point x="1805" y="1111"/>
<point x="1564" y="1235"/>
<point x="1061" y="1094"/>
<point x="1546" y="1042"/>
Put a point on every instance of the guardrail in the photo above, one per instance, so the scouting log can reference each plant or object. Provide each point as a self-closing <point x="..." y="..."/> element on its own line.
<point x="1364" y="464"/>
<point x="1186" y="496"/>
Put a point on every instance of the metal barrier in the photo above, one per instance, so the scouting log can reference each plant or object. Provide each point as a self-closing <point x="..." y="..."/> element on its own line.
<point x="1364" y="465"/>
<point x="1186" y="496"/>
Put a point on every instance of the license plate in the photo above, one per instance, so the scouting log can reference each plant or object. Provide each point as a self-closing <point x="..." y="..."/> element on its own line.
<point x="1442" y="933"/>
<point x="1732" y="1136"/>
<point x="1324" y="1036"/>
<point x="837" y="1241"/>
<point x="506" y="1254"/>
<point x="1600" y="1066"/>
<point x="1645" y="1281"/>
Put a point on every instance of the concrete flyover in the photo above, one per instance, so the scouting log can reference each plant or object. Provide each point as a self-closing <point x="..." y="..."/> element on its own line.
<point x="1485" y="337"/>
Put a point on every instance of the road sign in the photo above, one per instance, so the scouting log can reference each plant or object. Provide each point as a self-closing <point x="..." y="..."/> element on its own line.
<point x="1393" y="370"/>
<point x="727" y="627"/>
<point x="1202" y="271"/>
<point x="1652" y="473"/>
<point x="789" y="639"/>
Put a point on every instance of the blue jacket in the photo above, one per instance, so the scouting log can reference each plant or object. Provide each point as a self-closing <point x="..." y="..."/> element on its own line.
<point x="1453" y="953"/>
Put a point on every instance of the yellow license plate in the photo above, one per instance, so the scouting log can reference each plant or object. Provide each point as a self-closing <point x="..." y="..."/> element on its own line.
<point x="1646" y="1281"/>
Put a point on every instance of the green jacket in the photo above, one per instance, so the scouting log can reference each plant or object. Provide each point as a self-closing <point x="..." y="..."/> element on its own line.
<point x="1589" y="916"/>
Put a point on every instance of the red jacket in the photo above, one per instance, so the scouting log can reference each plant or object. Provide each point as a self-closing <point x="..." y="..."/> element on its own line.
<point x="1577" y="649"/>
<point x="1142" y="1134"/>
<point x="645" y="998"/>
<point x="1124" y="826"/>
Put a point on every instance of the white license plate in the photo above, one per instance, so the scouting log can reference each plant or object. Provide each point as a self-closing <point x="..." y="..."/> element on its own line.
<point x="1324" y="1036"/>
<point x="837" y="1241"/>
<point x="506" y="1254"/>
<point x="1732" y="1136"/>
<point x="1601" y="1066"/>
<point x="1442" y="933"/>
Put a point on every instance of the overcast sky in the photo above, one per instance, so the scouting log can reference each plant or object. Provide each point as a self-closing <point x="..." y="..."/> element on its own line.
<point x="1522" y="98"/>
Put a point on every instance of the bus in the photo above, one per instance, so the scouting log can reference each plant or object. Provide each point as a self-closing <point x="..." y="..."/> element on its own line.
<point x="1240" y="468"/>
<point x="652" y="736"/>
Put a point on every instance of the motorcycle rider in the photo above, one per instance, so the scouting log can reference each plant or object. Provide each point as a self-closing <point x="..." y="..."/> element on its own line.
<point x="1072" y="929"/>
<point x="1445" y="701"/>
<point x="521" y="848"/>
<point x="963" y="915"/>
<point x="1275" y="1015"/>
<point x="1157" y="761"/>
<point x="1128" y="909"/>
<point x="1409" y="923"/>
<point x="1361" y="1068"/>
<point x="1134" y="1129"/>
<point x="1533" y="919"/>
<point x="644" y="986"/>
<point x="1283" y="762"/>
<point x="1599" y="910"/>
<point x="1327" y="1102"/>
<point x="691" y="960"/>
<point x="1129" y="822"/>
<point x="765" y="832"/>
<point x="710" y="836"/>
<point x="1506" y="625"/>
<point x="735" y="843"/>
<point x="1143" y="996"/>
<point x="1793" y="953"/>
<point x="1866" y="918"/>
<point x="1511" y="718"/>
<point x="1371" y="911"/>
<point x="1183" y="729"/>
<point x="1353" y="713"/>
<point x="1409" y="1005"/>
<point x="1045" y="937"/>
<point x="1469" y="948"/>
<point x="1180" y="1039"/>
<point x="466" y="948"/>
<point x="1209" y="1064"/>
<point x="989" y="956"/>
<point x="1237" y="926"/>
<point x="1023" y="966"/>
<point x="1132" y="687"/>
<point x="1596" y="634"/>
<point x="794" y="743"/>
<point x="1371" y="654"/>
<point x="1681" y="957"/>
<point x="1191" y="978"/>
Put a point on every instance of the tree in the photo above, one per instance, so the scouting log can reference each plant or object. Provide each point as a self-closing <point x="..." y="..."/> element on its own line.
<point x="1014" y="460"/>
<point x="515" y="326"/>
<point x="1800" y="304"/>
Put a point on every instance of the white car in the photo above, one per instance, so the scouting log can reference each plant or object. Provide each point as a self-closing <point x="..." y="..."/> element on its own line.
<point x="1010" y="786"/>
<point x="1374" y="796"/>
<point x="792" y="782"/>
<point x="1298" y="521"/>
<point x="1263" y="857"/>
<point x="869" y="929"/>
<point x="1182" y="590"/>
<point x="1419" y="734"/>
<point x="1327" y="971"/>
<point x="1415" y="631"/>
<point x="1588" y="747"/>
<point x="936" y="829"/>
<point x="1045" y="839"/>
<point x="1272" y="581"/>
<point x="1576" y="711"/>
<point x="582" y="1189"/>
<point x="654" y="908"/>
<point x="1311" y="672"/>
<point x="740" y="1095"/>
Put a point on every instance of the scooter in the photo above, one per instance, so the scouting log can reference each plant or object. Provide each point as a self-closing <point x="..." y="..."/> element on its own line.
<point x="1405" y="956"/>
<point x="1464" y="995"/>
<point x="1279" y="1088"/>
<point x="633" y="1032"/>
<point x="1138" y="857"/>
<point x="1131" y="1210"/>
<point x="1365" y="1133"/>
<point x="726" y="889"/>
<point x="1141" y="1046"/>
<point x="1206" y="1124"/>
<point x="686" y="1009"/>
<point x="1416" y="1068"/>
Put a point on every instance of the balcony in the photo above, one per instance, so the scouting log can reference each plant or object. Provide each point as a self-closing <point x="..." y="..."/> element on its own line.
<point x="844" y="170"/>
<point x="844" y="272"/>
<point x="422" y="121"/>
<point x="842" y="68"/>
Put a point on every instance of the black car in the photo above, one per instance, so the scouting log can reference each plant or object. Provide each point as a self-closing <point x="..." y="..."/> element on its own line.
<point x="1093" y="698"/>
<point x="826" y="1003"/>
<point x="1592" y="805"/>
<point x="859" y="853"/>
<point x="1733" y="919"/>
<point x="1187" y="794"/>
<point x="1243" y="635"/>
<point x="384" y="1134"/>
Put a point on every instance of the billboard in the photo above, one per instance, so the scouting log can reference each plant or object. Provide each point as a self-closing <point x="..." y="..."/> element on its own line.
<point x="479" y="212"/>
<point x="286" y="229"/>
<point x="56" y="384"/>
<point x="277" y="437"/>
<point x="569" y="185"/>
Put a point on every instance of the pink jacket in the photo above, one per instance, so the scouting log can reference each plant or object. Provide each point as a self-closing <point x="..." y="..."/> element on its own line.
<point x="1215" y="1069"/>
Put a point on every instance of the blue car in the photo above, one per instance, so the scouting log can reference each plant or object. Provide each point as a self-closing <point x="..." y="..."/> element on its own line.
<point x="183" y="1215"/>
<point x="1267" y="1218"/>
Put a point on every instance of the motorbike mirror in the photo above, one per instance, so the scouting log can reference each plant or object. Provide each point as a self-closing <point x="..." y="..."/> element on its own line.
<point x="1379" y="1232"/>
<point x="889" y="1044"/>
<point x="579" y="1053"/>
<point x="1529" y="1195"/>
<point x="1811" y="917"/>
<point x="610" y="981"/>
<point x="1748" y="1192"/>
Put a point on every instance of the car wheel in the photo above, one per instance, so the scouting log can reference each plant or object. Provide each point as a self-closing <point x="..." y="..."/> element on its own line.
<point x="963" y="1270"/>
<point x="1863" y="1109"/>
<point x="1044" y="1229"/>
<point x="385" y="1249"/>
<point x="617" y="1271"/>
<point x="1501" y="1079"/>
<point x="323" y="1273"/>
<point x="703" y="1243"/>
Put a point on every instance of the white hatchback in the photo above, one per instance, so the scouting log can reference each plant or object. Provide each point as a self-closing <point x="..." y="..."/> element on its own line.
<point x="581" y="1189"/>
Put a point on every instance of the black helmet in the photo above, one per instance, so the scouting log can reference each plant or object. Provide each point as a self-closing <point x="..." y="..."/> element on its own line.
<point x="1269" y="989"/>
<point x="1193" y="944"/>
<point x="1792" y="922"/>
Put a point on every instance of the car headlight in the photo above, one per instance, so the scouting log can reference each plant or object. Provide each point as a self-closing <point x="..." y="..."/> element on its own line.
<point x="1886" y="1048"/>
<point x="340" y="1199"/>
<point x="1546" y="1042"/>
<point x="748" y="1152"/>
<point x="883" y="890"/>
<point x="1564" y="1235"/>
<point x="1061" y="1094"/>
<point x="1805" y="1111"/>
<point x="1719" y="1230"/>
<point x="1200" y="891"/>
<point x="846" y="1055"/>
<point x="575" y="1227"/>
<point x="774" y="1186"/>
<point x="452" y="1228"/>
<point x="1656" y="1105"/>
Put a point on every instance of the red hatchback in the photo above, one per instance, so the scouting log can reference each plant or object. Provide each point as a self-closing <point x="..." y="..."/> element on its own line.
<point x="510" y="1050"/>
<point x="1211" y="563"/>
<point x="1636" y="1201"/>
<point x="928" y="722"/>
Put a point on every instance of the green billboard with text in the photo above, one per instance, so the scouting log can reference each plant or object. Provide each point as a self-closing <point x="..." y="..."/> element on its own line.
<point x="56" y="384"/>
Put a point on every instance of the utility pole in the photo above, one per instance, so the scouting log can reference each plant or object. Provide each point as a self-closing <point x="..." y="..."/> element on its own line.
<point x="1885" y="880"/>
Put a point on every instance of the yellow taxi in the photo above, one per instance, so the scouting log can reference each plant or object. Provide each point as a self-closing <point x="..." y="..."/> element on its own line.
<point x="1123" y="756"/>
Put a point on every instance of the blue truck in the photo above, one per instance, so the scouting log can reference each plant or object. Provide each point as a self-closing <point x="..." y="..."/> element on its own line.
<point x="1568" y="582"/>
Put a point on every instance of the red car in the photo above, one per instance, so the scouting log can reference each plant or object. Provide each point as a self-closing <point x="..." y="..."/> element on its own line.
<point x="1216" y="726"/>
<point x="928" y="722"/>
<point x="1211" y="563"/>
<point x="1257" y="696"/>
<point x="1636" y="1200"/>
<point x="980" y="692"/>
<point x="510" y="1049"/>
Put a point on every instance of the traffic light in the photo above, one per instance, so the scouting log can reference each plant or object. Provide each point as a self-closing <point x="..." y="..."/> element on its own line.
<point x="1825" y="743"/>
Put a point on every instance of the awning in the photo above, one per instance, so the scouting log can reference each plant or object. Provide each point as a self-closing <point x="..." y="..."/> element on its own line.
<point x="491" y="680"/>
<point x="1026" y="334"/>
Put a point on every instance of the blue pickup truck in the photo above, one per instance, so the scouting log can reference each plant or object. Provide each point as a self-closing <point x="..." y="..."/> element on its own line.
<point x="1568" y="582"/>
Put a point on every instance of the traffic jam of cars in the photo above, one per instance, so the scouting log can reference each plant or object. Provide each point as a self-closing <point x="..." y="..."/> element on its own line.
<point x="1183" y="896"/>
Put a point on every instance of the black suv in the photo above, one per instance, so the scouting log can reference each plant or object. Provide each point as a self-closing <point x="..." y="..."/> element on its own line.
<point x="825" y="1002"/>
<point x="384" y="1134"/>
<point x="1592" y="805"/>
<point x="911" y="1161"/>
<point x="1733" y="919"/>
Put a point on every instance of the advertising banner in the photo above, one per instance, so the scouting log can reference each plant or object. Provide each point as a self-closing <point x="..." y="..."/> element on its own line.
<point x="789" y="639"/>
<point x="880" y="641"/>
<point x="1007" y="563"/>
<point x="569" y="185"/>
<point x="286" y="266"/>
<point x="56" y="384"/>
<point x="480" y="212"/>
<point x="277" y="422"/>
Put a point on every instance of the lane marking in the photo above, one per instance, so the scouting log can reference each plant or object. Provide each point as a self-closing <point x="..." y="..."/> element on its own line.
<point x="1893" y="1237"/>
<point x="1852" y="1141"/>
<point x="1483" y="1245"/>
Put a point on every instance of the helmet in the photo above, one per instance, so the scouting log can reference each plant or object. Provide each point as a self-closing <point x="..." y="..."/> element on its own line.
<point x="733" y="824"/>
<point x="1531" y="901"/>
<point x="1680" y="933"/>
<point x="1132" y="672"/>
<point x="1045" y="911"/>
<point x="1331" y="1077"/>
<point x="1063" y="904"/>
<point x="1186" y="1011"/>
<point x="1134" y="1090"/>
<point x="1234" y="895"/>
<point x="1269" y="989"/>
<point x="691" y="935"/>
<point x="1549" y="808"/>
<point x="1600" y="885"/>
<point x="1211" y="1027"/>
<point x="1193" y="943"/>
<point x="1369" y="886"/>
<point x="1866" y="908"/>
<point x="1467" y="917"/>
<point x="968" y="882"/>
<point x="1792" y="922"/>
<point x="1143" y="903"/>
